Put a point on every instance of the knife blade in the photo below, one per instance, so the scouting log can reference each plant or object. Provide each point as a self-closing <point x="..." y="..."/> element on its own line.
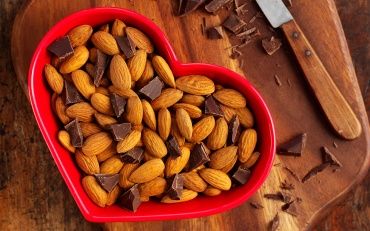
<point x="275" y="11"/>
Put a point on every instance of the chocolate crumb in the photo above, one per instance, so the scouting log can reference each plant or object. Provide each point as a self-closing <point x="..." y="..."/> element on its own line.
<point x="295" y="176"/>
<point x="246" y="42"/>
<point x="299" y="200"/>
<point x="314" y="171"/>
<point x="235" y="53"/>
<point x="290" y="208"/>
<point x="277" y="80"/>
<point x="253" y="19"/>
<point x="246" y="32"/>
<point x="256" y="205"/>
<point x="335" y="145"/>
<point x="271" y="45"/>
<point x="274" y="223"/>
<point x="286" y="185"/>
<point x="279" y="196"/>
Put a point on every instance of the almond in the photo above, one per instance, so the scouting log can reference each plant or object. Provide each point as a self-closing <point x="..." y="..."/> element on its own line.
<point x="134" y="110"/>
<point x="147" y="171"/>
<point x="175" y="164"/>
<point x="140" y="39"/>
<point x="126" y="93"/>
<point x="94" y="191"/>
<point x="102" y="104"/>
<point x="60" y="110"/>
<point x="193" y="111"/>
<point x="163" y="70"/>
<point x="247" y="143"/>
<point x="89" y="129"/>
<point x="195" y="84"/>
<point x="228" y="112"/>
<point x="105" y="42"/>
<point x="202" y="129"/>
<point x="74" y="62"/>
<point x="175" y="132"/>
<point x="230" y="165"/>
<point x="136" y="64"/>
<point x="65" y="140"/>
<point x="218" y="137"/>
<point x="196" y="100"/>
<point x="230" y="98"/>
<point x="113" y="195"/>
<point x="223" y="157"/>
<point x="88" y="164"/>
<point x="216" y="178"/>
<point x="154" y="144"/>
<point x="119" y="73"/>
<point x="107" y="153"/>
<point x="164" y="123"/>
<point x="147" y="74"/>
<point x="79" y="35"/>
<point x="111" y="166"/>
<point x="82" y="111"/>
<point x="102" y="90"/>
<point x="124" y="174"/>
<point x="96" y="143"/>
<point x="186" y="195"/>
<point x="149" y="115"/>
<point x="194" y="182"/>
<point x="211" y="191"/>
<point x="167" y="98"/>
<point x="184" y="123"/>
<point x="83" y="83"/>
<point x="104" y="120"/>
<point x="252" y="160"/>
<point x="154" y="187"/>
<point x="54" y="79"/>
<point x="129" y="142"/>
<point x="118" y="28"/>
<point x="245" y="117"/>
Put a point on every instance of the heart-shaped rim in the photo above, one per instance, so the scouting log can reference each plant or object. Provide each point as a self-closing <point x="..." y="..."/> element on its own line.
<point x="40" y="97"/>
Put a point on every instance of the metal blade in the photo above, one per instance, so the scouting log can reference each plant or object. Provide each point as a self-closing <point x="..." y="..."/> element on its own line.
<point x="275" y="11"/>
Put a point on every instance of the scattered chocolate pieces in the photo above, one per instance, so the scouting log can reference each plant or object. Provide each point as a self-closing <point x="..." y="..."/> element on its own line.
<point x="215" y="5"/>
<point x="173" y="147"/>
<point x="120" y="131"/>
<point x="130" y="199"/>
<point x="293" y="147"/>
<point x="107" y="181"/>
<point x="241" y="175"/>
<point x="234" y="130"/>
<point x="176" y="187"/>
<point x="292" y="173"/>
<point x="256" y="205"/>
<point x="62" y="47"/>
<point x="126" y="44"/>
<point x="212" y="107"/>
<point x="100" y="66"/>
<point x="290" y="208"/>
<point x="153" y="89"/>
<point x="118" y="104"/>
<point x="279" y="196"/>
<point x="215" y="32"/>
<point x="198" y="156"/>
<point x="271" y="45"/>
<point x="234" y="23"/>
<point x="188" y="6"/>
<point x="70" y="94"/>
<point x="329" y="157"/>
<point x="277" y="80"/>
<point x="133" y="156"/>
<point x="286" y="185"/>
<point x="314" y="171"/>
<point x="74" y="130"/>
<point x="274" y="224"/>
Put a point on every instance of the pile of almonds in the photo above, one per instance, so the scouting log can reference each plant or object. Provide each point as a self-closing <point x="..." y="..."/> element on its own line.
<point x="135" y="131"/>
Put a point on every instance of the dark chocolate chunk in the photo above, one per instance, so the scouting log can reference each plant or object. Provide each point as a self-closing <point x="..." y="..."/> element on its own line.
<point x="215" y="32"/>
<point x="188" y="6"/>
<point x="130" y="199"/>
<point x="127" y="46"/>
<point x="120" y="131"/>
<point x="198" y="156"/>
<point x="215" y="5"/>
<point x="100" y="66"/>
<point x="286" y="185"/>
<point x="241" y="175"/>
<point x="293" y="147"/>
<point x="271" y="45"/>
<point x="153" y="89"/>
<point x="314" y="171"/>
<point x="290" y="208"/>
<point x="212" y="107"/>
<point x="173" y="147"/>
<point x="234" y="130"/>
<point x="133" y="156"/>
<point x="176" y="186"/>
<point x="256" y="205"/>
<point x="234" y="23"/>
<point x="279" y="196"/>
<point x="118" y="104"/>
<point x="107" y="181"/>
<point x="70" y="94"/>
<point x="61" y="47"/>
<point x="274" y="224"/>
<point x="329" y="157"/>
<point x="74" y="130"/>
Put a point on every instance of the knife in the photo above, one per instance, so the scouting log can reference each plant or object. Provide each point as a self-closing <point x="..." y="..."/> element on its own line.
<point x="336" y="108"/>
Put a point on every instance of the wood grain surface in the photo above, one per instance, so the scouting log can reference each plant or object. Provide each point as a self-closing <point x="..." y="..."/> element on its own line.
<point x="33" y="194"/>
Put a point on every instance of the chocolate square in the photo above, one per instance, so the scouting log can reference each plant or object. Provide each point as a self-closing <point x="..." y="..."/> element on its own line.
<point x="74" y="130"/>
<point x="61" y="47"/>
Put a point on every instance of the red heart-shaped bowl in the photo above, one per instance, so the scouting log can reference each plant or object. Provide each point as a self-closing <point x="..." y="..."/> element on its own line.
<point x="40" y="96"/>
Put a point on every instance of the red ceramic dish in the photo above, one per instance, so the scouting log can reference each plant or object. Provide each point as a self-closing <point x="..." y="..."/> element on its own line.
<point x="40" y="96"/>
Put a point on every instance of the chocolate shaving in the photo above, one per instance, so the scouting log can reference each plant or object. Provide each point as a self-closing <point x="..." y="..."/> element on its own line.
<point x="239" y="10"/>
<point x="176" y="186"/>
<point x="61" y="47"/>
<point x="277" y="80"/>
<point x="293" y="147"/>
<point x="274" y="223"/>
<point x="253" y="19"/>
<point x="247" y="32"/>
<point x="126" y="45"/>
<point x="286" y="185"/>
<point x="215" y="5"/>
<point x="173" y="147"/>
<point x="279" y="196"/>
<point x="100" y="66"/>
<point x="290" y="208"/>
<point x="188" y="6"/>
<point x="235" y="53"/>
<point x="314" y="171"/>
<point x="295" y="176"/>
<point x="234" y="23"/>
<point x="215" y="33"/>
<point x="130" y="199"/>
<point x="70" y="94"/>
<point x="256" y="205"/>
<point x="107" y="181"/>
<point x="74" y="130"/>
<point x="271" y="45"/>
<point x="329" y="157"/>
<point x="133" y="156"/>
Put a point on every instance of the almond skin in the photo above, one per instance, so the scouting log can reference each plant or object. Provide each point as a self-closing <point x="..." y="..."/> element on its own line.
<point x="154" y="187"/>
<point x="193" y="111"/>
<point x="129" y="142"/>
<point x="54" y="79"/>
<point x="163" y="70"/>
<point x="216" y="178"/>
<point x="184" y="123"/>
<point x="118" y="28"/>
<point x="175" y="164"/>
<point x="124" y="174"/>
<point x="105" y="42"/>
<point x="111" y="166"/>
<point x="96" y="143"/>
<point x="60" y="110"/>
<point x="154" y="144"/>
<point x="140" y="39"/>
<point x="83" y="83"/>
<point x="202" y="129"/>
<point x="247" y="144"/>
<point x="186" y="195"/>
<point x="167" y="98"/>
<point x="164" y="123"/>
<point x="96" y="193"/>
<point x="223" y="157"/>
<point x="195" y="84"/>
<point x="147" y="171"/>
<point x="218" y="137"/>
<point x="88" y="164"/>
<point x="194" y="182"/>
<point x="65" y="140"/>
<point x="230" y="98"/>
<point x="134" y="110"/>
<point x="104" y="120"/>
<point x="119" y="73"/>
<point x="102" y="104"/>
<point x="196" y="100"/>
<point x="107" y="153"/>
<point x="76" y="61"/>
<point x="79" y="35"/>
<point x="136" y="64"/>
<point x="149" y="115"/>
<point x="82" y="111"/>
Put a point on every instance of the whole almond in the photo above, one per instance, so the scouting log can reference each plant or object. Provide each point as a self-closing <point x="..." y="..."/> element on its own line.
<point x="186" y="195"/>
<point x="105" y="42"/>
<point x="252" y="160"/>
<point x="230" y="98"/>
<point x="175" y="132"/>
<point x="163" y="70"/>
<point x="195" y="84"/>
<point x="126" y="93"/>
<point x="218" y="137"/>
<point x="60" y="110"/>
<point x="136" y="64"/>
<point x="193" y="111"/>
<point x="111" y="166"/>
<point x="245" y="117"/>
<point x="140" y="39"/>
<point x="175" y="164"/>
<point x="102" y="90"/>
<point x="95" y="192"/>
<point x="247" y="143"/>
<point x="82" y="111"/>
<point x="194" y="182"/>
<point x="154" y="187"/>
<point x="203" y="128"/>
<point x="216" y="178"/>
<point x="92" y="57"/>
<point x="228" y="112"/>
<point x="154" y="144"/>
<point x="124" y="174"/>
<point x="149" y="115"/>
<point x="223" y="157"/>
<point x="102" y="104"/>
<point x="167" y="98"/>
<point x="76" y="61"/>
<point x="79" y="35"/>
<point x="164" y="123"/>
<point x="107" y="153"/>
<point x="118" y="28"/>
<point x="129" y="142"/>
<point x="54" y="79"/>
<point x="89" y="129"/>
<point x="134" y="110"/>
<point x="147" y="171"/>
<point x="104" y="120"/>
<point x="227" y="168"/>
<point x="88" y="164"/>
<point x="211" y="191"/>
<point x="184" y="123"/>
<point x="196" y="100"/>
<point x="119" y="73"/>
<point x="96" y="143"/>
<point x="65" y="140"/>
<point x="147" y="74"/>
<point x="83" y="83"/>
<point x="113" y="195"/>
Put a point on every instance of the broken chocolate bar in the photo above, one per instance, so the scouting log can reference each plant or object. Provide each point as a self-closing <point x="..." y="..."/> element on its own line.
<point x="198" y="156"/>
<point x="126" y="45"/>
<point x="314" y="171"/>
<point x="130" y="199"/>
<point x="215" y="5"/>
<point x="234" y="130"/>
<point x="153" y="89"/>
<point x="241" y="175"/>
<point x="100" y="66"/>
<point x="74" y="130"/>
<point x="61" y="47"/>
<point x="215" y="32"/>
<point x="212" y="107"/>
<point x="120" y="131"/>
<point x="133" y="156"/>
<point x="107" y="181"/>
<point x="234" y="23"/>
<point x="70" y="94"/>
<point x="293" y="147"/>
<point x="176" y="186"/>
<point x="118" y="104"/>
<point x="329" y="157"/>
<point x="173" y="147"/>
<point x="271" y="45"/>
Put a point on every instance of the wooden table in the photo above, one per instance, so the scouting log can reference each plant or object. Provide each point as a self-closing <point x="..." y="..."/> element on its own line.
<point x="50" y="205"/>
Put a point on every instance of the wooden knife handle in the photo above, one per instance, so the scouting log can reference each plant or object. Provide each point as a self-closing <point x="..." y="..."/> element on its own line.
<point x="334" y="105"/>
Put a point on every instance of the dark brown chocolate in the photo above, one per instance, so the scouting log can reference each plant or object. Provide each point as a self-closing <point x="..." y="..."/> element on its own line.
<point x="234" y="23"/>
<point x="279" y="196"/>
<point x="329" y="157"/>
<point x="120" y="131"/>
<point x="212" y="107"/>
<point x="286" y="185"/>
<point x="198" y="156"/>
<point x="74" y="130"/>
<point x="107" y="181"/>
<point x="293" y="147"/>
<point x="100" y="66"/>
<point x="126" y="45"/>
<point x="234" y="130"/>
<point x="153" y="89"/>
<point x="271" y="45"/>
<point x="256" y="205"/>
<point x="130" y="199"/>
<point x="314" y="171"/>
<point x="70" y="94"/>
<point x="133" y="156"/>
<point x="215" y="5"/>
<point x="241" y="175"/>
<point x="61" y="47"/>
<point x="188" y="6"/>
<point x="173" y="147"/>
<point x="274" y="224"/>
<point x="246" y="34"/>
<point x="176" y="186"/>
<point x="118" y="104"/>
<point x="215" y="33"/>
<point x="290" y="208"/>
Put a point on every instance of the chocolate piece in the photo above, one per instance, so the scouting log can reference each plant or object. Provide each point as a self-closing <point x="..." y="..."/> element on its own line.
<point x="234" y="130"/>
<point x="292" y="173"/>
<point x="215" y="32"/>
<point x="241" y="175"/>
<point x="127" y="46"/>
<point x="61" y="47"/>
<point x="286" y="185"/>
<point x="133" y="156"/>
<point x="153" y="89"/>
<point x="290" y="208"/>
<point x="234" y="23"/>
<point x="279" y="196"/>
<point x="293" y="147"/>
<point x="314" y="171"/>
<point x="107" y="181"/>
<point x="120" y="131"/>
<point x="70" y="94"/>
<point x="100" y="65"/>
<point x="198" y="156"/>
<point x="329" y="157"/>
<point x="130" y="199"/>
<point x="176" y="187"/>
<point x="187" y="6"/>
<point x="215" y="5"/>
<point x="173" y="147"/>
<point x="271" y="45"/>
<point x="256" y="205"/>
<point x="74" y="130"/>
<point x="274" y="224"/>
<point x="212" y="107"/>
<point x="118" y="104"/>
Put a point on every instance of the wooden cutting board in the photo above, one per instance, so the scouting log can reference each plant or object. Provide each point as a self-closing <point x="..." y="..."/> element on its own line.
<point x="292" y="105"/>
